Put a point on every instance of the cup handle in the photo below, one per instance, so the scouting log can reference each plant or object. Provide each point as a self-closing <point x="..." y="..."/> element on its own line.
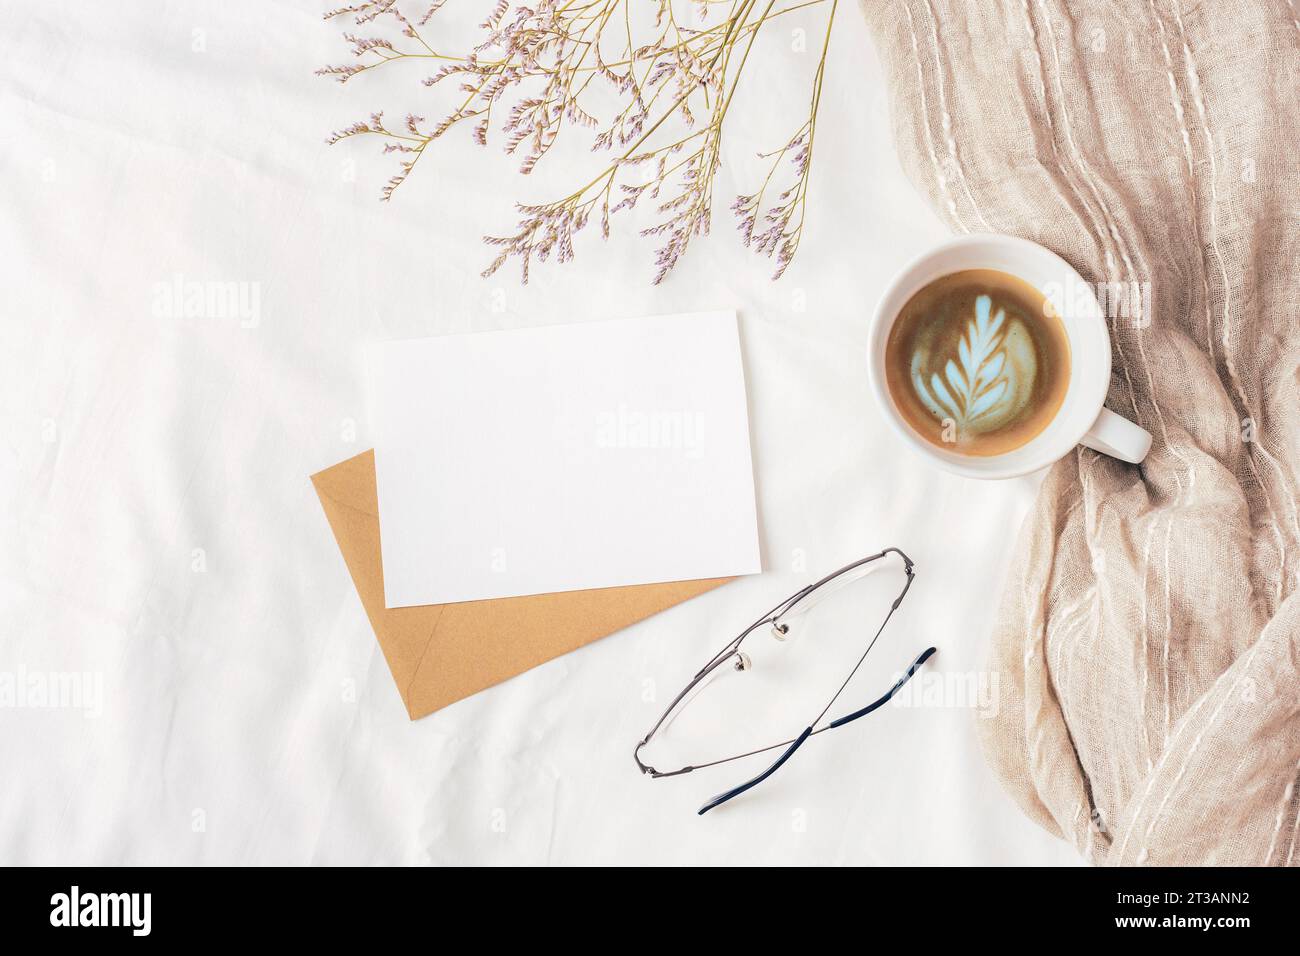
<point x="1118" y="437"/>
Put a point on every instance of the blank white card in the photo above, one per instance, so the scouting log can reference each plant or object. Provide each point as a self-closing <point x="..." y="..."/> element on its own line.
<point x="563" y="458"/>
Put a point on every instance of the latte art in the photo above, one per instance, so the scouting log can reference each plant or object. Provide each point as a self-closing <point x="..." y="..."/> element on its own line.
<point x="990" y="380"/>
<point x="977" y="362"/>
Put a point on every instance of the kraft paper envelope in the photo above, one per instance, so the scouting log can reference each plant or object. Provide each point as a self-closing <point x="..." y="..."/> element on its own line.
<point x="440" y="653"/>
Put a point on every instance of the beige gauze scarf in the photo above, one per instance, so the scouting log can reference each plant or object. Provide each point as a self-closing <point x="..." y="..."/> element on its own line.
<point x="1148" y="640"/>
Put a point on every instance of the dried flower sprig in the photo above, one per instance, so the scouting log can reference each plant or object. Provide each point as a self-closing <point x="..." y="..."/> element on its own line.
<point x="542" y="66"/>
<point x="784" y="219"/>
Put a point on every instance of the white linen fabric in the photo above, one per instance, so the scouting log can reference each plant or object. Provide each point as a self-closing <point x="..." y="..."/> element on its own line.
<point x="162" y="540"/>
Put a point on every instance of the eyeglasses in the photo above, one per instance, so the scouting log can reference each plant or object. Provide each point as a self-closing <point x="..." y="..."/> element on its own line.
<point x="794" y="605"/>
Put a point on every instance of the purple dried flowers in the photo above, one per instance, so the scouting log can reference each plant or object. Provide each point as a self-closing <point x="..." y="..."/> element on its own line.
<point x="539" y="66"/>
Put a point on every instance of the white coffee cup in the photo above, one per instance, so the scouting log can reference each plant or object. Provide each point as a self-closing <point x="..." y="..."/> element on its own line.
<point x="1081" y="418"/>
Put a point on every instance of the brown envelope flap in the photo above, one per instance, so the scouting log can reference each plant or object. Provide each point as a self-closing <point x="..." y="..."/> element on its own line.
<point x="481" y="643"/>
<point x="440" y="653"/>
<point x="347" y="493"/>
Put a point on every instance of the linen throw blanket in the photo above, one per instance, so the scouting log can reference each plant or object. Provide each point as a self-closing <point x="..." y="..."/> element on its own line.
<point x="1149" y="636"/>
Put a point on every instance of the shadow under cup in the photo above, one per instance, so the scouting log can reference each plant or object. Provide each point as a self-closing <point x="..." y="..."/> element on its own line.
<point x="1076" y="306"/>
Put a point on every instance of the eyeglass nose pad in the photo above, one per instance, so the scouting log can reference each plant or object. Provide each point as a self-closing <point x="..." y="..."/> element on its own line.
<point x="779" y="631"/>
<point x="743" y="663"/>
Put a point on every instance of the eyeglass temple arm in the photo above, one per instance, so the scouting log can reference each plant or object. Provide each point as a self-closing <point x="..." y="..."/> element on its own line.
<point x="749" y="785"/>
<point x="885" y="698"/>
<point x="808" y="732"/>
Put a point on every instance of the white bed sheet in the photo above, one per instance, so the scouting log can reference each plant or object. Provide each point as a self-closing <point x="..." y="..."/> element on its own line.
<point x="161" y="534"/>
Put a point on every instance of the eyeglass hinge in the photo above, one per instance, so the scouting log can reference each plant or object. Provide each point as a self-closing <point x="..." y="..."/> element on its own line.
<point x="906" y="587"/>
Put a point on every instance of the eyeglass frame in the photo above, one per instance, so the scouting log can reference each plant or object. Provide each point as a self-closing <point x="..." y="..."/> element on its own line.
<point x="733" y="650"/>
